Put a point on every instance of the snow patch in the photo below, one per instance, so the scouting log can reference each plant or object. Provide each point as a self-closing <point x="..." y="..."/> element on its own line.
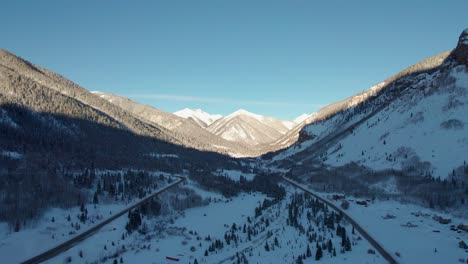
<point x="11" y="154"/>
<point x="235" y="175"/>
<point x="301" y="118"/>
<point x="161" y="155"/>
<point x="5" y="119"/>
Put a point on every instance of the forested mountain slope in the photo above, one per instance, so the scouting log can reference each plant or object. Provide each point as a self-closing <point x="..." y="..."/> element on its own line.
<point x="51" y="129"/>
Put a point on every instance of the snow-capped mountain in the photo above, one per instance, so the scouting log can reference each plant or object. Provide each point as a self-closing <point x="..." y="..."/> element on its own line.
<point x="198" y="116"/>
<point x="414" y="122"/>
<point x="249" y="128"/>
<point x="184" y="127"/>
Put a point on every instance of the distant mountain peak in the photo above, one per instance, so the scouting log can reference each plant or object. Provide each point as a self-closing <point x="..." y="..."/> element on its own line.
<point x="461" y="51"/>
<point x="248" y="128"/>
<point x="199" y="116"/>
<point x="245" y="113"/>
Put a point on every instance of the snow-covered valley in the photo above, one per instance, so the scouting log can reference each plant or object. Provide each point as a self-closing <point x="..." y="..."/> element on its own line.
<point x="247" y="228"/>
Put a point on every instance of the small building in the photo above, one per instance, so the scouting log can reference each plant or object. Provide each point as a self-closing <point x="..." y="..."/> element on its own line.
<point x="362" y="203"/>
<point x="337" y="197"/>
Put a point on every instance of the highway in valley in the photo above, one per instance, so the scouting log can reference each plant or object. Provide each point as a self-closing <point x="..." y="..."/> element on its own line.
<point x="385" y="254"/>
<point x="93" y="230"/>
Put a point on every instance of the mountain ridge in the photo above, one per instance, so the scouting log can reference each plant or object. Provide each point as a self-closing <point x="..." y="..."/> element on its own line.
<point x="181" y="126"/>
<point x="437" y="84"/>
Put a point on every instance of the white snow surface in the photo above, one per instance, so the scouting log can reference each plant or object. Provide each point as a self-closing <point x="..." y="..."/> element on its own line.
<point x="235" y="174"/>
<point x="53" y="228"/>
<point x="415" y="244"/>
<point x="288" y="124"/>
<point x="45" y="234"/>
<point x="180" y="232"/>
<point x="425" y="128"/>
<point x="244" y="113"/>
<point x="428" y="132"/>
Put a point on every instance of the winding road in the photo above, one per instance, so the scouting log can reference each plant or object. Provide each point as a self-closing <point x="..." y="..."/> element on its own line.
<point x="93" y="230"/>
<point x="387" y="256"/>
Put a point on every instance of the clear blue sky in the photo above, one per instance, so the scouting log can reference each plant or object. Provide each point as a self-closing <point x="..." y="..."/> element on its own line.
<point x="277" y="58"/>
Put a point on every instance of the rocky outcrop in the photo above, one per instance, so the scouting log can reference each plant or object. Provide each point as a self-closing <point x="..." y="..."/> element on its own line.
<point x="461" y="51"/>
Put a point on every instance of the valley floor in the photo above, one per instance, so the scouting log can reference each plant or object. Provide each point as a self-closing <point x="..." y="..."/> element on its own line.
<point x="411" y="231"/>
<point x="184" y="236"/>
<point x="245" y="229"/>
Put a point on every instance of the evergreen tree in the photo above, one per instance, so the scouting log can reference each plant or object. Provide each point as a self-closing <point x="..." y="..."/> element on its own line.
<point x="343" y="237"/>
<point x="348" y="244"/>
<point x="83" y="217"/>
<point x="99" y="188"/>
<point x="95" y="198"/>
<point x="299" y="260"/>
<point x="308" y="252"/>
<point x="318" y="253"/>
<point x="134" y="221"/>
<point x="267" y="247"/>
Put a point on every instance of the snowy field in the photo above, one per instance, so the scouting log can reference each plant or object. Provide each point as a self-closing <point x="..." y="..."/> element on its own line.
<point x="412" y="232"/>
<point x="188" y="235"/>
<point x="171" y="235"/>
<point x="235" y="174"/>
<point x="46" y="234"/>
<point x="56" y="226"/>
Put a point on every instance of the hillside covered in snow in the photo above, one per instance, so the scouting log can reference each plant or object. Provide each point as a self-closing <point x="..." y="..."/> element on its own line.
<point x="412" y="124"/>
